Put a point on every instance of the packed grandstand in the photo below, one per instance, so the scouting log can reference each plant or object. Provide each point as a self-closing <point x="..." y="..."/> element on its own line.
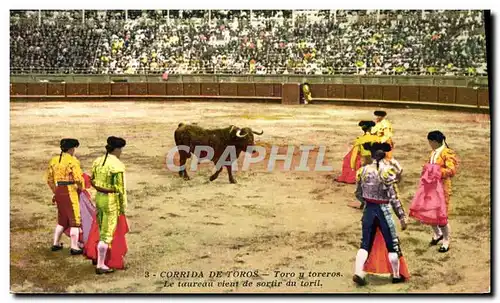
<point x="322" y="42"/>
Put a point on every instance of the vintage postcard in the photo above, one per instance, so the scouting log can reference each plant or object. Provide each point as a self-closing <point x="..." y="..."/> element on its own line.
<point x="250" y="151"/>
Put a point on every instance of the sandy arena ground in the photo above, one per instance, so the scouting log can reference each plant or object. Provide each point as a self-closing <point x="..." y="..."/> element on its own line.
<point x="288" y="221"/>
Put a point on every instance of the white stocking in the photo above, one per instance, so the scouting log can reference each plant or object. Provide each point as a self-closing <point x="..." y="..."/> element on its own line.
<point x="74" y="233"/>
<point x="361" y="258"/>
<point x="437" y="231"/>
<point x="102" y="249"/>
<point x="394" y="259"/>
<point x="446" y="234"/>
<point x="57" y="234"/>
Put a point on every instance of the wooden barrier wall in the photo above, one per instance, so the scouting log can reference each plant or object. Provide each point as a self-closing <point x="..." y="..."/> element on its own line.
<point x="428" y="94"/>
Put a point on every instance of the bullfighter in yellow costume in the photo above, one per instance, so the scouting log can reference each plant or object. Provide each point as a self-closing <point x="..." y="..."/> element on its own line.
<point x="108" y="178"/>
<point x="357" y="155"/>
<point x="445" y="157"/>
<point x="383" y="129"/>
<point x="306" y="93"/>
<point x="358" y="148"/>
<point x="64" y="177"/>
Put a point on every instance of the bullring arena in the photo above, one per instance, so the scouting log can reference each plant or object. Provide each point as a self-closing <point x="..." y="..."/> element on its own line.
<point x="138" y="74"/>
<point x="287" y="221"/>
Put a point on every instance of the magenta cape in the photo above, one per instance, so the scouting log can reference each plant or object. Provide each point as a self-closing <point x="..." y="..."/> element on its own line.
<point x="429" y="205"/>
<point x="87" y="212"/>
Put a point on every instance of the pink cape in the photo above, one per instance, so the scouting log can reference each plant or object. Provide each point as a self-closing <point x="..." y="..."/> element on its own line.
<point x="87" y="212"/>
<point x="349" y="174"/>
<point x="429" y="205"/>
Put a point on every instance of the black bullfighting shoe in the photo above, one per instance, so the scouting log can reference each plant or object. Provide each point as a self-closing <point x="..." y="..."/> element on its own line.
<point x="435" y="241"/>
<point x="444" y="249"/>
<point x="398" y="280"/>
<point x="57" y="247"/>
<point x="101" y="271"/>
<point x="358" y="280"/>
<point x="75" y="252"/>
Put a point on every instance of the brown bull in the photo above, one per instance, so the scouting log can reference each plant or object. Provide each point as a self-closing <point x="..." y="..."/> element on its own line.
<point x="218" y="139"/>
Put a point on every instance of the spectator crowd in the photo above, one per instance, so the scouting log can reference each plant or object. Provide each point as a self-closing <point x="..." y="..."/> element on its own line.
<point x="249" y="42"/>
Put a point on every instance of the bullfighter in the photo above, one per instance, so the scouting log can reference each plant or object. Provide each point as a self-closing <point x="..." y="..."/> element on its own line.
<point x="65" y="179"/>
<point x="383" y="129"/>
<point x="108" y="178"/>
<point x="375" y="185"/>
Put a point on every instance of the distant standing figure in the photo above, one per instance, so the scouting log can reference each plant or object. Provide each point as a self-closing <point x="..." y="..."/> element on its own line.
<point x="305" y="93"/>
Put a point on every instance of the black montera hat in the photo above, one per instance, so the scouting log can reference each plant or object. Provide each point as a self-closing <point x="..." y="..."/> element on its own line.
<point x="116" y="142"/>
<point x="373" y="147"/>
<point x="436" y="135"/>
<point x="366" y="124"/>
<point x="68" y="143"/>
<point x="380" y="113"/>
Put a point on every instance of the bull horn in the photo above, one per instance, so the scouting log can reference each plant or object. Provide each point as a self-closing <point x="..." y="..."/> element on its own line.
<point x="232" y="128"/>
<point x="238" y="134"/>
<point x="257" y="132"/>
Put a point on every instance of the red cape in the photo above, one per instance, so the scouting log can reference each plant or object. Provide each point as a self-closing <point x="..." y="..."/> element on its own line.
<point x="378" y="259"/>
<point x="115" y="257"/>
<point x="349" y="174"/>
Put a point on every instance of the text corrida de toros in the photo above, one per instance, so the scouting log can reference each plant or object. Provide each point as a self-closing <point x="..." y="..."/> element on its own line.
<point x="211" y="274"/>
